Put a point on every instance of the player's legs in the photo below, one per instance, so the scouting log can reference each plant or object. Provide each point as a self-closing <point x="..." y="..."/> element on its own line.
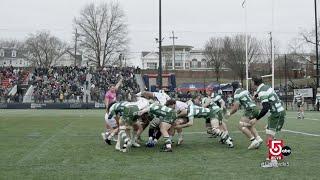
<point x="275" y="123"/>
<point x="250" y="132"/>
<point x="181" y="121"/>
<point x="216" y="131"/>
<point x="164" y="129"/>
<point x="111" y="129"/>
<point x="123" y="138"/>
<point x="208" y="126"/>
<point x="302" y="111"/>
<point x="137" y="130"/>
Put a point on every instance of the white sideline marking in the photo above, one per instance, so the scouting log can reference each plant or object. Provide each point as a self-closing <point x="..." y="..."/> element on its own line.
<point x="284" y="130"/>
<point x="298" y="132"/>
<point x="44" y="143"/>
<point x="311" y="119"/>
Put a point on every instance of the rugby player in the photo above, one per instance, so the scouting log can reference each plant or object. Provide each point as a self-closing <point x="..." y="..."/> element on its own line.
<point x="111" y="124"/>
<point x="299" y="101"/>
<point x="242" y="98"/>
<point x="270" y="102"/>
<point x="167" y="116"/>
<point x="211" y="113"/>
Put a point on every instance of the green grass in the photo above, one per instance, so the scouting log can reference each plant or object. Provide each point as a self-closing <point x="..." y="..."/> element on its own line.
<point x="66" y="144"/>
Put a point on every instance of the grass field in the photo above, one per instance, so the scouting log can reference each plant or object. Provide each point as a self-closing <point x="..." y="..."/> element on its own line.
<point x="66" y="144"/>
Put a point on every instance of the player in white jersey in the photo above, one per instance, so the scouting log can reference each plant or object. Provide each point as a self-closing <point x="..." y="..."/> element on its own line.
<point x="299" y="101"/>
<point x="180" y="106"/>
<point x="160" y="96"/>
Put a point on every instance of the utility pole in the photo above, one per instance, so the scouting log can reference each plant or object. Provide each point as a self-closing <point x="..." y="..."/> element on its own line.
<point x="173" y="50"/>
<point x="160" y="49"/>
<point x="75" y="47"/>
<point x="317" y="53"/>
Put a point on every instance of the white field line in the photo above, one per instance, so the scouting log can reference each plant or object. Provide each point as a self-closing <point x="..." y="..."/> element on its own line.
<point x="303" y="133"/>
<point x="311" y="119"/>
<point x="284" y="130"/>
<point x="43" y="144"/>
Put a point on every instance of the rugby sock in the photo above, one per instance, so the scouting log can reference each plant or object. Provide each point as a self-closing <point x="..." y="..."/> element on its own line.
<point x="151" y="132"/>
<point x="180" y="135"/>
<point x="167" y="141"/>
<point x="124" y="139"/>
<point x="258" y="138"/>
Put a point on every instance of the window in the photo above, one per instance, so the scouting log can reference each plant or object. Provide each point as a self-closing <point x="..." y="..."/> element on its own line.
<point x="194" y="63"/>
<point x="14" y="53"/>
<point x="203" y="63"/>
<point x="152" y="65"/>
<point x="199" y="64"/>
<point x="1" y="53"/>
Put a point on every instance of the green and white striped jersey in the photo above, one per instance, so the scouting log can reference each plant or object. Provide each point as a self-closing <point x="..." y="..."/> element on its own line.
<point x="159" y="110"/>
<point x="212" y="104"/>
<point x="243" y="97"/>
<point x="267" y="94"/>
<point x="195" y="111"/>
<point x="117" y="107"/>
<point x="216" y="97"/>
<point x="230" y="99"/>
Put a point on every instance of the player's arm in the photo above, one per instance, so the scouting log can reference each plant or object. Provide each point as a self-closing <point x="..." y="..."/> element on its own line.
<point x="182" y="113"/>
<point x="145" y="110"/>
<point x="190" y="123"/>
<point x="119" y="84"/>
<point x="223" y="104"/>
<point x="234" y="108"/>
<point x="302" y="100"/>
<point x="265" y="108"/>
<point x="316" y="101"/>
<point x="106" y="102"/>
<point x="117" y="118"/>
<point x="206" y="103"/>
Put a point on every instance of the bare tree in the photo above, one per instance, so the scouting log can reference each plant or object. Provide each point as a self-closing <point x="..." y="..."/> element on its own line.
<point x="102" y="32"/>
<point x="214" y="53"/>
<point x="43" y="49"/>
<point x="234" y="49"/>
<point x="309" y="36"/>
<point x="10" y="43"/>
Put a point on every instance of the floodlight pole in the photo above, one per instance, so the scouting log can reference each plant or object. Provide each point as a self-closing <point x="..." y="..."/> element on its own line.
<point x="160" y="50"/>
<point x="246" y="36"/>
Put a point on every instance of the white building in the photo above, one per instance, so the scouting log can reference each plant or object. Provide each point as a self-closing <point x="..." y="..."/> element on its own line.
<point x="12" y="57"/>
<point x="185" y="58"/>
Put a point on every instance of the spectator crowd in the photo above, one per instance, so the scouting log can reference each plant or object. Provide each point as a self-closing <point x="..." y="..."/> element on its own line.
<point x="9" y="77"/>
<point x="66" y="84"/>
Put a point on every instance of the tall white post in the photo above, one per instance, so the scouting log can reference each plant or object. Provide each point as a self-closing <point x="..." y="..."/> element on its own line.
<point x="272" y="45"/>
<point x="246" y="34"/>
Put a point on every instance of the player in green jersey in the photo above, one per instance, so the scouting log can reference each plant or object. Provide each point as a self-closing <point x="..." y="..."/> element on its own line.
<point x="167" y="116"/>
<point x="242" y="98"/>
<point x="270" y="102"/>
<point x="212" y="113"/>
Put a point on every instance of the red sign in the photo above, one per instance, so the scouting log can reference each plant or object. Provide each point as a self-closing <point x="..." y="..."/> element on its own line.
<point x="275" y="149"/>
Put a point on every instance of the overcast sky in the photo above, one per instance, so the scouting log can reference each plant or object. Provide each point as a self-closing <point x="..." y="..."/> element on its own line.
<point x="193" y="21"/>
